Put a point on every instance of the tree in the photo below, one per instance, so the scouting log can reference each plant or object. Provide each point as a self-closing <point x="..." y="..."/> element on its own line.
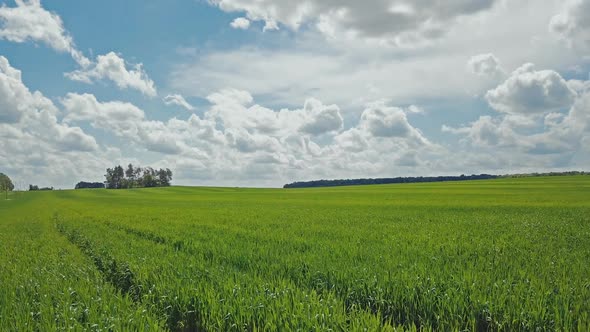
<point x="115" y="178"/>
<point x="119" y="175"/>
<point x="164" y="177"/>
<point x="109" y="183"/>
<point x="137" y="176"/>
<point x="130" y="174"/>
<point x="6" y="184"/>
<point x="149" y="177"/>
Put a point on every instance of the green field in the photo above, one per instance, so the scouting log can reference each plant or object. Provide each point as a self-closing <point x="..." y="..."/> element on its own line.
<point x="505" y="254"/>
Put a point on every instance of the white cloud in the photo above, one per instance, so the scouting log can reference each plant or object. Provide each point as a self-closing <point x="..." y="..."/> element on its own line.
<point x="74" y="139"/>
<point x="122" y="119"/>
<point x="240" y="23"/>
<point x="528" y="91"/>
<point x="573" y="23"/>
<point x="381" y="120"/>
<point x="128" y="122"/>
<point x="578" y="118"/>
<point x="113" y="67"/>
<point x="555" y="140"/>
<point x="16" y="100"/>
<point x="352" y="73"/>
<point x="399" y="22"/>
<point x="36" y="146"/>
<point x="239" y="141"/>
<point x="176" y="99"/>
<point x="321" y="119"/>
<point x="553" y="119"/>
<point x="485" y="65"/>
<point x="353" y="140"/>
<point x="293" y="75"/>
<point x="486" y="131"/>
<point x="155" y="136"/>
<point x="29" y="21"/>
<point x="231" y="96"/>
<point x="413" y="109"/>
<point x="12" y="93"/>
<point x="246" y="142"/>
<point x="233" y="109"/>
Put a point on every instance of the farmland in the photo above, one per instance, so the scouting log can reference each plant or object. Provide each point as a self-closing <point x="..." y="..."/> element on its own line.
<point x="503" y="254"/>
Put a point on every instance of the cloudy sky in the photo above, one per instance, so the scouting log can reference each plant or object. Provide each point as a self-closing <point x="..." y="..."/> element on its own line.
<point x="265" y="92"/>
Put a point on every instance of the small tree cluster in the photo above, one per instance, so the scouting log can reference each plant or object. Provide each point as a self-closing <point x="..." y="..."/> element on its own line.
<point x="33" y="187"/>
<point x="89" y="185"/>
<point x="137" y="177"/>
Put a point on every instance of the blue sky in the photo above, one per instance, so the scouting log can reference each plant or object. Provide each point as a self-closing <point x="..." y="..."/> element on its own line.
<point x="260" y="93"/>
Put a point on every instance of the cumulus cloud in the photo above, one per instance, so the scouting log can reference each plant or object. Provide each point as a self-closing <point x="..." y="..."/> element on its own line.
<point x="113" y="67"/>
<point x="16" y="101"/>
<point x="400" y="22"/>
<point x="578" y="118"/>
<point x="74" y="139"/>
<point x="233" y="109"/>
<point x="321" y="119"/>
<point x="128" y="122"/>
<point x="11" y="92"/>
<point x="231" y="96"/>
<point x="352" y="140"/>
<point x="486" y="131"/>
<point x="29" y="21"/>
<point x="246" y="142"/>
<point x="528" y="91"/>
<point x="485" y="65"/>
<point x="573" y="23"/>
<point x="351" y="73"/>
<point x="237" y="139"/>
<point x="553" y="140"/>
<point x="120" y="118"/>
<point x="240" y="23"/>
<point x="35" y="143"/>
<point x="381" y="120"/>
<point x="176" y="99"/>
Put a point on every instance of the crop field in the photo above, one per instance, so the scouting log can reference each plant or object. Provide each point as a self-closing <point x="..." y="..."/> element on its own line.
<point x="504" y="254"/>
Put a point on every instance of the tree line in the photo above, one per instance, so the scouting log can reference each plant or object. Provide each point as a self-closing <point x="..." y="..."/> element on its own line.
<point x="137" y="177"/>
<point x="526" y="175"/>
<point x="357" y="182"/>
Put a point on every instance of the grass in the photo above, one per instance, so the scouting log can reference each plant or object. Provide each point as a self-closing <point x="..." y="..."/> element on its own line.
<point x="504" y="254"/>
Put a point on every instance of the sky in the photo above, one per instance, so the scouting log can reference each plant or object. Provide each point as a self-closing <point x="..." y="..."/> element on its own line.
<point x="260" y="93"/>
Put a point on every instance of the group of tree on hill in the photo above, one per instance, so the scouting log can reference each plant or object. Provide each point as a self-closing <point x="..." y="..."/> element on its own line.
<point x="137" y="177"/>
<point x="33" y="187"/>
<point x="89" y="185"/>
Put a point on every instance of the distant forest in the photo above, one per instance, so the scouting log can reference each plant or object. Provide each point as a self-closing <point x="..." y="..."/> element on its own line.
<point x="358" y="182"/>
